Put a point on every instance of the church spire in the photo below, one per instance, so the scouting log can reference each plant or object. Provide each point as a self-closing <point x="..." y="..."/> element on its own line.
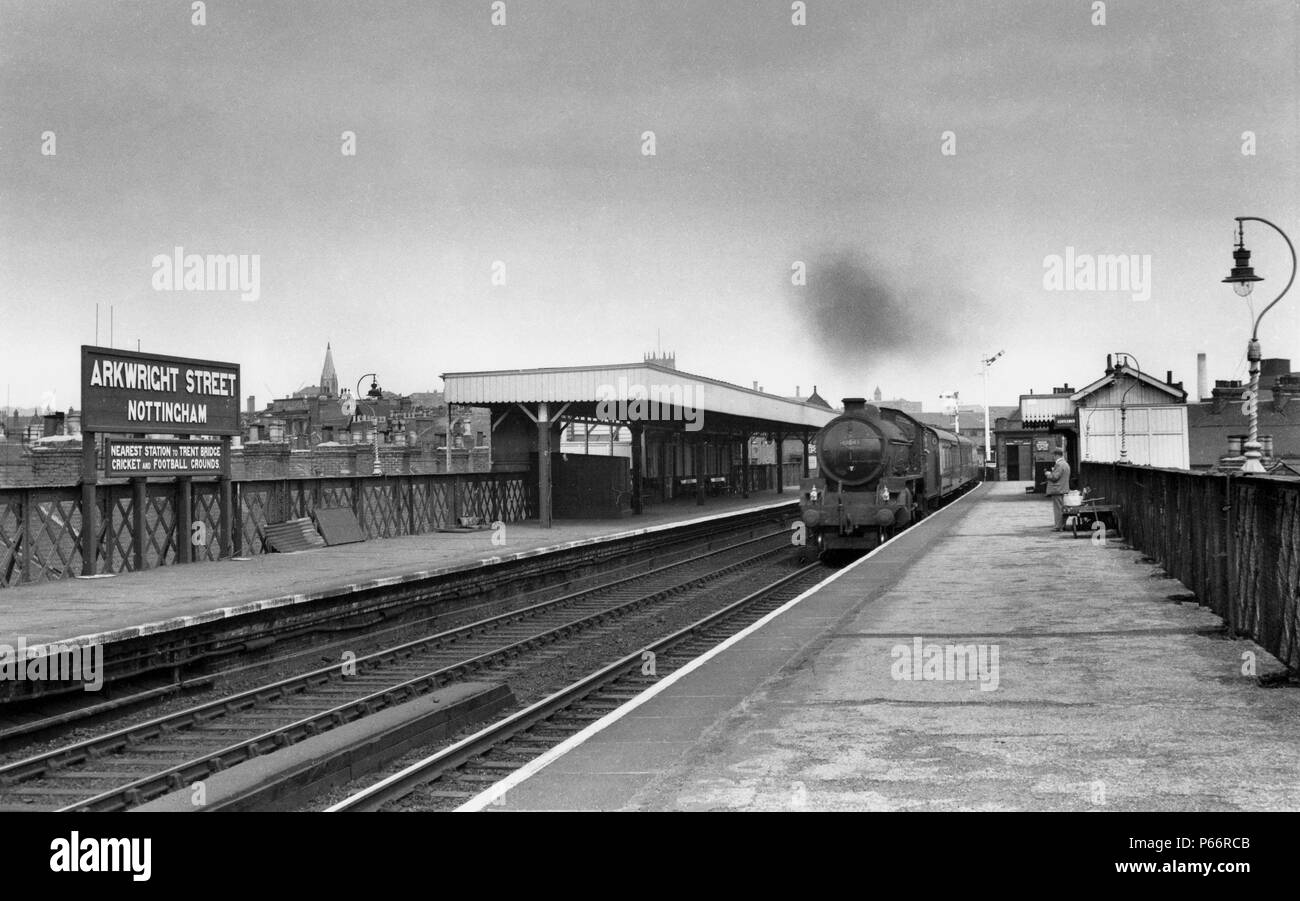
<point x="329" y="379"/>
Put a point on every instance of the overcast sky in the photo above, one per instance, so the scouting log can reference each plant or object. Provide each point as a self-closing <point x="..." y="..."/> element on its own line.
<point x="522" y="143"/>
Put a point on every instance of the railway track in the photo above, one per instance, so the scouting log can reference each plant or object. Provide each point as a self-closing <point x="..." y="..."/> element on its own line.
<point x="291" y="650"/>
<point x="454" y="776"/>
<point x="126" y="767"/>
<point x="155" y="664"/>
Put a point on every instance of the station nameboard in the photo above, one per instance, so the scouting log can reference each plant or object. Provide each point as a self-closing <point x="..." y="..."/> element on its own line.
<point x="163" y="458"/>
<point x="125" y="391"/>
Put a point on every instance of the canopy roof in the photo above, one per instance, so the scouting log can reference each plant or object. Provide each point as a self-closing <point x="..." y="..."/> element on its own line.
<point x="582" y="388"/>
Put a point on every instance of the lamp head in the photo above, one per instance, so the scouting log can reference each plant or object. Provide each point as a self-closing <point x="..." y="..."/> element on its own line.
<point x="1243" y="275"/>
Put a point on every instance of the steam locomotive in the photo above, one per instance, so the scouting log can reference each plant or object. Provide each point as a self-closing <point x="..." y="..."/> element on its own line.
<point x="879" y="470"/>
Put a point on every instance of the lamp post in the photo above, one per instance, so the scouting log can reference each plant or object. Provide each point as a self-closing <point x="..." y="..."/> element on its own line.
<point x="1242" y="279"/>
<point x="1123" y="409"/>
<point x="375" y="393"/>
<point x="988" y="449"/>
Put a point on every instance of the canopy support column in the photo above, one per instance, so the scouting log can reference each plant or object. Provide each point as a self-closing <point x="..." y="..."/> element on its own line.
<point x="780" y="468"/>
<point x="698" y="456"/>
<point x="744" y="465"/>
<point x="638" y="467"/>
<point x="543" y="465"/>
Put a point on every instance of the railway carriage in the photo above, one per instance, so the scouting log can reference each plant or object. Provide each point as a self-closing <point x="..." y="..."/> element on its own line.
<point x="879" y="470"/>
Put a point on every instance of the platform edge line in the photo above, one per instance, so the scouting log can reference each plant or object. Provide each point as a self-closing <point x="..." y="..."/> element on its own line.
<point x="498" y="789"/>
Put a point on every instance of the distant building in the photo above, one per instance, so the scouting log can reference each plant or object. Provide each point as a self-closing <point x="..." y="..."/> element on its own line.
<point x="666" y="359"/>
<point x="25" y="429"/>
<point x="315" y="415"/>
<point x="1135" y="416"/>
<point x="1023" y="441"/>
<point x="910" y="407"/>
<point x="1218" y="424"/>
<point x="329" y="379"/>
<point x="1087" y="424"/>
<point x="815" y="399"/>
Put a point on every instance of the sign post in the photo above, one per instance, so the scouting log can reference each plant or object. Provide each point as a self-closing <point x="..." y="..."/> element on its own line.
<point x="184" y="527"/>
<point x="227" y="507"/>
<point x="89" y="505"/>
<point x="134" y="393"/>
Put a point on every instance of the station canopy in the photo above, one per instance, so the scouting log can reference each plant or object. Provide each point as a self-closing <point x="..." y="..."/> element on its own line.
<point x="656" y="396"/>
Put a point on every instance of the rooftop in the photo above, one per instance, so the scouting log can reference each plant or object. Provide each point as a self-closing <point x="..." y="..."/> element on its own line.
<point x="581" y="388"/>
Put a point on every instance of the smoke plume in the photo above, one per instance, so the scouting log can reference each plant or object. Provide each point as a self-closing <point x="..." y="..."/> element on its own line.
<point x="853" y="308"/>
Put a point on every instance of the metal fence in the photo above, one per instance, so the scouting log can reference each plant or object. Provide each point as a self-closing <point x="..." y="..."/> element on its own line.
<point x="1233" y="540"/>
<point x="40" y="528"/>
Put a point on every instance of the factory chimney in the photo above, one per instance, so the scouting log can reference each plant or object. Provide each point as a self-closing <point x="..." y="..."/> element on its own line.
<point x="1202" y="379"/>
<point x="252" y="405"/>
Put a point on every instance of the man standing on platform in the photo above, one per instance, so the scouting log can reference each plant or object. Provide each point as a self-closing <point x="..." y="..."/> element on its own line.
<point x="1058" y="482"/>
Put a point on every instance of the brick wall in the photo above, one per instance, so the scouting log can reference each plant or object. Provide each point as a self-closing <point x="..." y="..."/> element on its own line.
<point x="259" y="461"/>
<point x="48" y="467"/>
<point x="39" y="467"/>
<point x="477" y="459"/>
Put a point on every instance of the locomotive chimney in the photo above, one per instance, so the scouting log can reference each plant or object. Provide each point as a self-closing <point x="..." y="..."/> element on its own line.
<point x="1202" y="379"/>
<point x="854" y="403"/>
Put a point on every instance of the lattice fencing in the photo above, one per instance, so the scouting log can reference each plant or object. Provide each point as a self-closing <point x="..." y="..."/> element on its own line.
<point x="40" y="529"/>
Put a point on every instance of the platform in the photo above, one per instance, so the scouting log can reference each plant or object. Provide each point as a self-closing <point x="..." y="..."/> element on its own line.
<point x="103" y="610"/>
<point x="1109" y="695"/>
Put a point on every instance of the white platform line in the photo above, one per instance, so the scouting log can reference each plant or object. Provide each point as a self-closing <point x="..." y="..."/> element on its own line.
<point x="498" y="790"/>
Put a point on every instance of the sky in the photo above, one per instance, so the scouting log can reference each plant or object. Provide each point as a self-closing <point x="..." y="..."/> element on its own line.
<point x="917" y="162"/>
